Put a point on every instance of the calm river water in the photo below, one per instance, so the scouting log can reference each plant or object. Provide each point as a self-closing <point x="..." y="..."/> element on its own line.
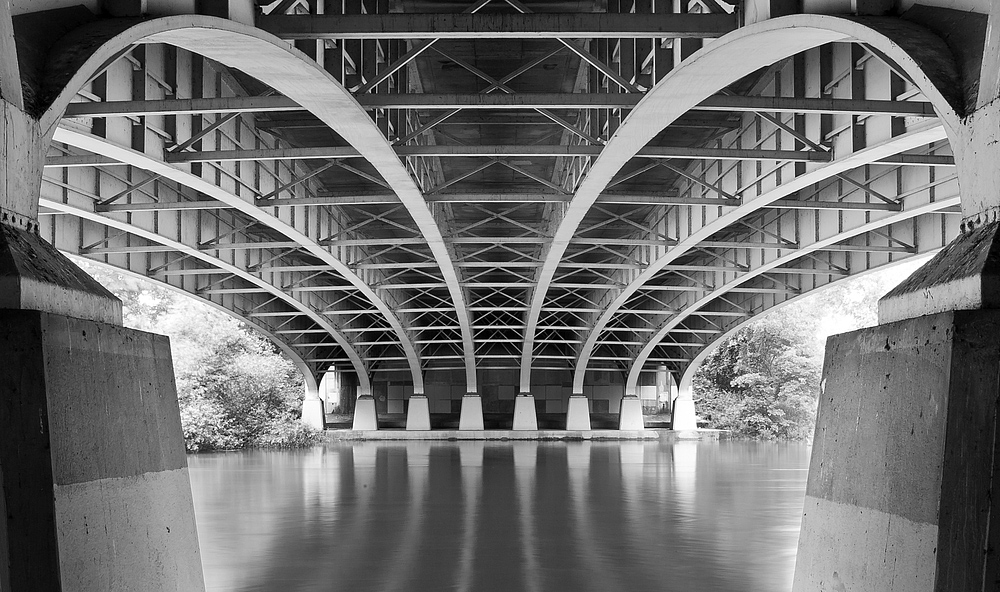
<point x="502" y="516"/>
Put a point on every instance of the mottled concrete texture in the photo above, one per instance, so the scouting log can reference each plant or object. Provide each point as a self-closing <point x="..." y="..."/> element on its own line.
<point x="899" y="486"/>
<point x="94" y="479"/>
<point x="36" y="276"/>
<point x="965" y="275"/>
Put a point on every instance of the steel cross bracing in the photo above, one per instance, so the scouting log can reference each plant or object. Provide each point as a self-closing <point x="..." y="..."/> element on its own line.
<point x="229" y="186"/>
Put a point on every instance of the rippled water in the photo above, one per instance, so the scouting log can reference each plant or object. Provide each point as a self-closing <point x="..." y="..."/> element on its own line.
<point x="502" y="516"/>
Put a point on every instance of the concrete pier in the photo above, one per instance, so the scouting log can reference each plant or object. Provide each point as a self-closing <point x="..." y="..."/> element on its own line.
<point x="471" y="417"/>
<point x="418" y="415"/>
<point x="630" y="416"/>
<point x="365" y="415"/>
<point x="578" y="413"/>
<point x="900" y="477"/>
<point x="524" y="413"/>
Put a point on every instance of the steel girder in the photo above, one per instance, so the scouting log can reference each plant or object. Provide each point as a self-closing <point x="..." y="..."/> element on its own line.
<point x="525" y="203"/>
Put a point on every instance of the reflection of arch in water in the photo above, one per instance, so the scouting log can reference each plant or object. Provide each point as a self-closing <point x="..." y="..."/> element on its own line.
<point x="919" y="53"/>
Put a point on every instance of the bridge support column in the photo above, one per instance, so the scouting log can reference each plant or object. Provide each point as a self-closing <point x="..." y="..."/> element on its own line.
<point x="525" y="417"/>
<point x="365" y="415"/>
<point x="578" y="413"/>
<point x="630" y="414"/>
<point x="471" y="417"/>
<point x="313" y="409"/>
<point x="903" y="482"/>
<point x="418" y="414"/>
<point x="94" y="489"/>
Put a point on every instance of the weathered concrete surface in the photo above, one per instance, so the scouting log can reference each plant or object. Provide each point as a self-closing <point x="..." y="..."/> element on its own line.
<point x="965" y="275"/>
<point x="899" y="486"/>
<point x="976" y="144"/>
<point x="525" y="417"/>
<point x="35" y="276"/>
<point x="22" y="153"/>
<point x="95" y="489"/>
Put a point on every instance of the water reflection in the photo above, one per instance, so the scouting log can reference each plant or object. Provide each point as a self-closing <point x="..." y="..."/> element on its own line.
<point x="483" y="516"/>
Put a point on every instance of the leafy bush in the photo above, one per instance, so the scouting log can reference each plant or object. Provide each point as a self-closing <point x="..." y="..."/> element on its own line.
<point x="762" y="383"/>
<point x="234" y="388"/>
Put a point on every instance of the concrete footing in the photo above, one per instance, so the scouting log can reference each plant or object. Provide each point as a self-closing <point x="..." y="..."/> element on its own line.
<point x="471" y="417"/>
<point x="630" y="414"/>
<point x="682" y="417"/>
<point x="365" y="416"/>
<point x="95" y="490"/>
<point x="524" y="413"/>
<point x="900" y="481"/>
<point x="418" y="414"/>
<point x="578" y="413"/>
<point x="314" y="413"/>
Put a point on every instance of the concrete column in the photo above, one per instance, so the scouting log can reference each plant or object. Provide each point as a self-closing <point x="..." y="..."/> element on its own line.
<point x="93" y="476"/>
<point x="630" y="414"/>
<point x="472" y="413"/>
<point x="683" y="417"/>
<point x="313" y="409"/>
<point x="902" y="483"/>
<point x="418" y="414"/>
<point x="524" y="413"/>
<point x="365" y="415"/>
<point x="578" y="413"/>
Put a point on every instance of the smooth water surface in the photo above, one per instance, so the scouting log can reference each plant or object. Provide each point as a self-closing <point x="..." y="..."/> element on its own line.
<point x="502" y="516"/>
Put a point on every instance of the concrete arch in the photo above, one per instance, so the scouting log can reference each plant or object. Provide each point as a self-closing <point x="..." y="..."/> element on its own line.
<point x="919" y="53"/>
<point x="644" y="353"/>
<point x="364" y="386"/>
<point x="896" y="145"/>
<point x="290" y="72"/>
<point x="685" y="383"/>
<point x="290" y="353"/>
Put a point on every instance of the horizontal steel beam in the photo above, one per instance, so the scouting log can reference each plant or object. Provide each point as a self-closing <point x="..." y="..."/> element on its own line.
<point x="497" y="26"/>
<point x="724" y="103"/>
<point x="498" y="151"/>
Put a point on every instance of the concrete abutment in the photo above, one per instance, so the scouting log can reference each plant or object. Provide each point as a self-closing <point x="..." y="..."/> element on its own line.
<point x="900" y="482"/>
<point x="95" y="487"/>
<point x="93" y="475"/>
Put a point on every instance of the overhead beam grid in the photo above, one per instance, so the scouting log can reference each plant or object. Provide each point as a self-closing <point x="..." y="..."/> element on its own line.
<point x="503" y="187"/>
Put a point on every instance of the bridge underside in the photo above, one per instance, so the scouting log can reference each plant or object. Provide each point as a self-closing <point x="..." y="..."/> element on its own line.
<point x="500" y="206"/>
<point x="493" y="215"/>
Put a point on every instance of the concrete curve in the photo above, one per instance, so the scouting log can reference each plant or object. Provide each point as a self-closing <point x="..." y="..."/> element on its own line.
<point x="292" y="73"/>
<point x="633" y="375"/>
<point x="286" y="349"/>
<point x="712" y="68"/>
<point x="896" y="145"/>
<point x="364" y="384"/>
<point x="137" y="159"/>
<point x="686" y="381"/>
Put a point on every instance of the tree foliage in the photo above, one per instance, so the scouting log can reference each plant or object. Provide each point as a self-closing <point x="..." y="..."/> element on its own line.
<point x="235" y="390"/>
<point x="763" y="381"/>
